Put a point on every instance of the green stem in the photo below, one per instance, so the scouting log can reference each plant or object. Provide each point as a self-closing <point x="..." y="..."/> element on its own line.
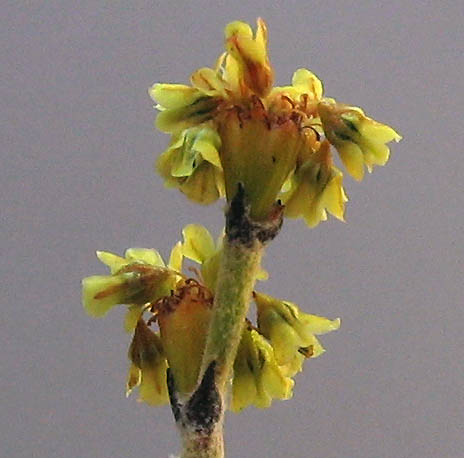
<point x="201" y="419"/>
<point x="236" y="280"/>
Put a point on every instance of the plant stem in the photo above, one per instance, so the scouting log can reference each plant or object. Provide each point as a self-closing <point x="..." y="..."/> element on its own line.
<point x="198" y="446"/>
<point x="236" y="280"/>
<point x="201" y="417"/>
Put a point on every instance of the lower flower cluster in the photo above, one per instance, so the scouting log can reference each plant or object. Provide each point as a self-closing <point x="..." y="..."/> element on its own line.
<point x="269" y="355"/>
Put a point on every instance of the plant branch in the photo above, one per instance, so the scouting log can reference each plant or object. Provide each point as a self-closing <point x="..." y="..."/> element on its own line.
<point x="200" y="419"/>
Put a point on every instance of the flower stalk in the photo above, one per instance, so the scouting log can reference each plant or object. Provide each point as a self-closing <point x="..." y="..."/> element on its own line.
<point x="237" y="276"/>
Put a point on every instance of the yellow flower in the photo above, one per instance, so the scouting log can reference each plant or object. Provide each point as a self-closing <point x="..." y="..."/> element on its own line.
<point x="138" y="279"/>
<point x="257" y="377"/>
<point x="290" y="331"/>
<point x="183" y="319"/>
<point x="316" y="187"/>
<point x="181" y="106"/>
<point x="192" y="164"/>
<point x="261" y="132"/>
<point x="264" y="137"/>
<point x="148" y="366"/>
<point x="359" y="140"/>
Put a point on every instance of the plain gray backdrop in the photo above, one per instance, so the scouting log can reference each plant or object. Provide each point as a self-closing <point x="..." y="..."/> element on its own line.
<point x="77" y="154"/>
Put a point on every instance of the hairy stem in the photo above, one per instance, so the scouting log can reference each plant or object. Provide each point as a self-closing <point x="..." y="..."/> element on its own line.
<point x="199" y="446"/>
<point x="236" y="280"/>
<point x="200" y="418"/>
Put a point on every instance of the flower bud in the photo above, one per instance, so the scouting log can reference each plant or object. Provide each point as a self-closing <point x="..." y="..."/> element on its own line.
<point x="316" y="188"/>
<point x="358" y="139"/>
<point x="251" y="56"/>
<point x="257" y="377"/>
<point x="289" y="329"/>
<point x="192" y="164"/>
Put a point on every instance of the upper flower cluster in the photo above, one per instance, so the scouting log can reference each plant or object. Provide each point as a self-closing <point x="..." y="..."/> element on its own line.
<point x="232" y="126"/>
<point x="269" y="354"/>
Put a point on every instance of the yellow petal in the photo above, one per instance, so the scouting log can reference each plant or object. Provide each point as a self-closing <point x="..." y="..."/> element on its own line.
<point x="198" y="243"/>
<point x="334" y="197"/>
<point x="298" y="198"/>
<point x="375" y="153"/>
<point x="276" y="384"/>
<point x="261" y="33"/>
<point x="209" y="270"/>
<point x="176" y="258"/>
<point x="207" y="81"/>
<point x="243" y="387"/>
<point x="164" y="166"/>
<point x="307" y="82"/>
<point x="314" y="188"/>
<point x="378" y="131"/>
<point x="153" y="387"/>
<point x="201" y="186"/>
<point x="271" y="383"/>
<point x="208" y="152"/>
<point x="100" y="293"/>
<point x="284" y="339"/>
<point x="352" y="158"/>
<point x="174" y="95"/>
<point x="318" y="325"/>
<point x="133" y="314"/>
<point x="231" y="74"/>
<point x="113" y="261"/>
<point x="315" y="214"/>
<point x="176" y="119"/>
<point x="294" y="366"/>
<point x="250" y="54"/>
<point x="146" y="255"/>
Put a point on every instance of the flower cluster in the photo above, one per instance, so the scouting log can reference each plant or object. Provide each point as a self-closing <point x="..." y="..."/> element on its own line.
<point x="269" y="354"/>
<point x="232" y="126"/>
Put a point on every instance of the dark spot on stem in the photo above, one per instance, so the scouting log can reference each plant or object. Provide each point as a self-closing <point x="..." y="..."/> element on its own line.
<point x="204" y="408"/>
<point x="241" y="229"/>
<point x="238" y="224"/>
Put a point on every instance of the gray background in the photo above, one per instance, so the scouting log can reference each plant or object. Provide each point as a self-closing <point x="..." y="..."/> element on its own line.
<point x="76" y="175"/>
